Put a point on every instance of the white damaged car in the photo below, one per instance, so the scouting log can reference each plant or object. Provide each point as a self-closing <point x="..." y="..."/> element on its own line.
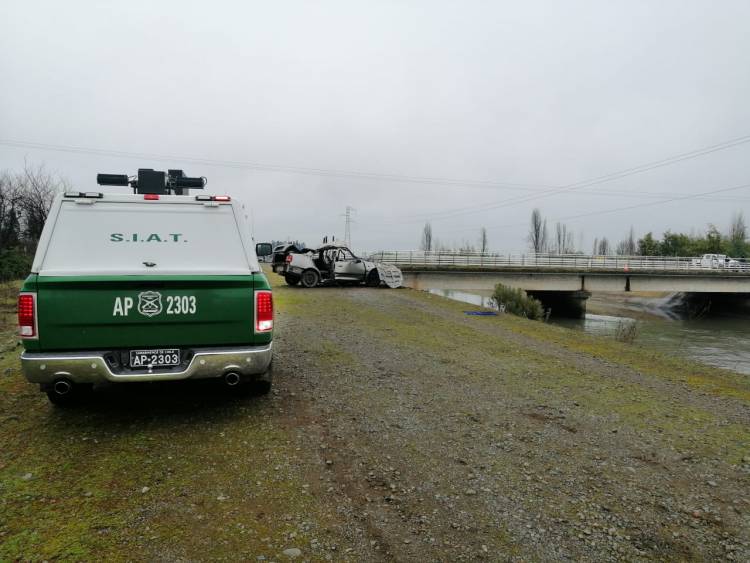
<point x="332" y="264"/>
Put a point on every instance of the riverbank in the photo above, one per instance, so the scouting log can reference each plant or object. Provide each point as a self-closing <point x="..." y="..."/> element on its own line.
<point x="399" y="428"/>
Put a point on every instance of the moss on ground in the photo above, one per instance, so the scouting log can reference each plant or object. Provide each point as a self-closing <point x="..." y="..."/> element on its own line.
<point x="166" y="472"/>
<point x="488" y="359"/>
<point x="699" y="376"/>
<point x="148" y="472"/>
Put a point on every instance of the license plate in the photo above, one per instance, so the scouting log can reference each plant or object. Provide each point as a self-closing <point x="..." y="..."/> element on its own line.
<point x="164" y="357"/>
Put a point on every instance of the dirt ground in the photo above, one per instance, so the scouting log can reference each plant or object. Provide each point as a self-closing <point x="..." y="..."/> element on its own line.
<point x="399" y="428"/>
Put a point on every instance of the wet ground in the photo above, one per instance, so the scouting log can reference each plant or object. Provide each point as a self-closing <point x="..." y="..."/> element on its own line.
<point x="717" y="339"/>
<point x="399" y="428"/>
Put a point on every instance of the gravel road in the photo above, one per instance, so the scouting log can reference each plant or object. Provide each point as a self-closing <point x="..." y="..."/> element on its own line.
<point x="399" y="428"/>
<point x="445" y="437"/>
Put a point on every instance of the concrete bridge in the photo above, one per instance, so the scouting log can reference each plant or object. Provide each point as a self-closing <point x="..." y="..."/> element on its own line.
<point x="564" y="282"/>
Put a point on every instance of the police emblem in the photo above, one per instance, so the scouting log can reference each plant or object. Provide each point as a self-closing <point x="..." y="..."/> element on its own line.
<point x="149" y="303"/>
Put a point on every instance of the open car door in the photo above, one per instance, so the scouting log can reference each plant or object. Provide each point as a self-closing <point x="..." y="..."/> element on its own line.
<point x="348" y="267"/>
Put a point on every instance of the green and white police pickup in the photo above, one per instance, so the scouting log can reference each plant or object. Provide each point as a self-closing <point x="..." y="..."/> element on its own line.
<point x="145" y="287"/>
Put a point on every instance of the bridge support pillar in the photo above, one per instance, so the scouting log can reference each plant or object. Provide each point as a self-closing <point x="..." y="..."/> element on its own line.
<point x="571" y="304"/>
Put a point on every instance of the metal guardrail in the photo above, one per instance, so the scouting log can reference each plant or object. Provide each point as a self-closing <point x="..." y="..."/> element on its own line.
<point x="566" y="261"/>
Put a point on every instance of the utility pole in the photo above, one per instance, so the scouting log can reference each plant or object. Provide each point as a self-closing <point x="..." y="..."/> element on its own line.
<point x="348" y="226"/>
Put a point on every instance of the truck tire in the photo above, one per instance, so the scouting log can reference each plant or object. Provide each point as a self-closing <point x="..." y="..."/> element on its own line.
<point x="261" y="387"/>
<point x="291" y="279"/>
<point x="309" y="278"/>
<point x="373" y="279"/>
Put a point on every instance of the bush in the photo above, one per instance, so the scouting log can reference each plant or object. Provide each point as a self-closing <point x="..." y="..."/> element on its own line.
<point x="517" y="302"/>
<point x="15" y="264"/>
<point x="626" y="331"/>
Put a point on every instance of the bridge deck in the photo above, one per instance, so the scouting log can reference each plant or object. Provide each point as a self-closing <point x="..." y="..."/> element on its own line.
<point x="576" y="263"/>
<point x="546" y="269"/>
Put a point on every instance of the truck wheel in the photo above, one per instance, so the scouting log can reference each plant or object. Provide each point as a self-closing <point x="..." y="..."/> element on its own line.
<point x="291" y="280"/>
<point x="373" y="279"/>
<point x="261" y="387"/>
<point x="310" y="278"/>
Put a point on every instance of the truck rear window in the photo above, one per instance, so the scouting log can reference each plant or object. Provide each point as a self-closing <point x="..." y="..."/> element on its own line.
<point x="144" y="238"/>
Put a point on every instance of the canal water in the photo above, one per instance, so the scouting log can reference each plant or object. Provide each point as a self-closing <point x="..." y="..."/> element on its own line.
<point x="720" y="341"/>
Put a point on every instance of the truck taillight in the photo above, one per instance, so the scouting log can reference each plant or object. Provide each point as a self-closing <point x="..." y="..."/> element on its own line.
<point x="263" y="311"/>
<point x="288" y="258"/>
<point x="27" y="315"/>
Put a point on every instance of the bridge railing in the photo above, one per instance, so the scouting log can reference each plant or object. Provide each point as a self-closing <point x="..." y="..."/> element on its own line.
<point x="571" y="261"/>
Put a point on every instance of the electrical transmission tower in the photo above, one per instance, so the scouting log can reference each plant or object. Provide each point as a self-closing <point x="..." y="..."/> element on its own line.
<point x="348" y="226"/>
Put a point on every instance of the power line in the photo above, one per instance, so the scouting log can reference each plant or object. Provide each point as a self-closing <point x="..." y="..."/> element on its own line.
<point x="650" y="203"/>
<point x="593" y="181"/>
<point x="548" y="191"/>
<point x="623" y="208"/>
<point x="271" y="167"/>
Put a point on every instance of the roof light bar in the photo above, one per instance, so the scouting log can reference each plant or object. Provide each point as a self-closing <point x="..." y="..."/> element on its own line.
<point x="97" y="195"/>
<point x="213" y="198"/>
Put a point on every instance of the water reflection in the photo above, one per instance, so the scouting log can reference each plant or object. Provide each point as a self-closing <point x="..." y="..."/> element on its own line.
<point x="478" y="297"/>
<point x="718" y="341"/>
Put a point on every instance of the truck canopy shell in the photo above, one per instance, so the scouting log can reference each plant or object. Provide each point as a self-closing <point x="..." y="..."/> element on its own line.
<point x="129" y="235"/>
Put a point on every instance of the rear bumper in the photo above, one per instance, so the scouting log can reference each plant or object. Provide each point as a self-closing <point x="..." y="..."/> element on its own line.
<point x="287" y="269"/>
<point x="91" y="367"/>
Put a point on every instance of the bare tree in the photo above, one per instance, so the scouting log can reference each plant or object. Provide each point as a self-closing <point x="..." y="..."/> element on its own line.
<point x="570" y="246"/>
<point x="39" y="189"/>
<point x="439" y="246"/>
<point x="738" y="235"/>
<point x="466" y="247"/>
<point x="427" y="237"/>
<point x="627" y="246"/>
<point x="603" y="249"/>
<point x="483" y="241"/>
<point x="563" y="239"/>
<point x="11" y="199"/>
<point x="538" y="232"/>
<point x="25" y="201"/>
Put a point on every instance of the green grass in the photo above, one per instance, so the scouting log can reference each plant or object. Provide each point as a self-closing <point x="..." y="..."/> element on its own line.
<point x="482" y="356"/>
<point x="84" y="498"/>
<point x="88" y="467"/>
<point x="202" y="456"/>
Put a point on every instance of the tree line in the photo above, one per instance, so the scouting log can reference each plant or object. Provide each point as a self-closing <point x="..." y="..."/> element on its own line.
<point x="429" y="243"/>
<point x="25" y="201"/>
<point x="561" y="240"/>
<point x="732" y="243"/>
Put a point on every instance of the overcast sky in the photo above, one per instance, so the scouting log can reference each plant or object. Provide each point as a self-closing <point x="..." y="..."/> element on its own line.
<point x="378" y="96"/>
